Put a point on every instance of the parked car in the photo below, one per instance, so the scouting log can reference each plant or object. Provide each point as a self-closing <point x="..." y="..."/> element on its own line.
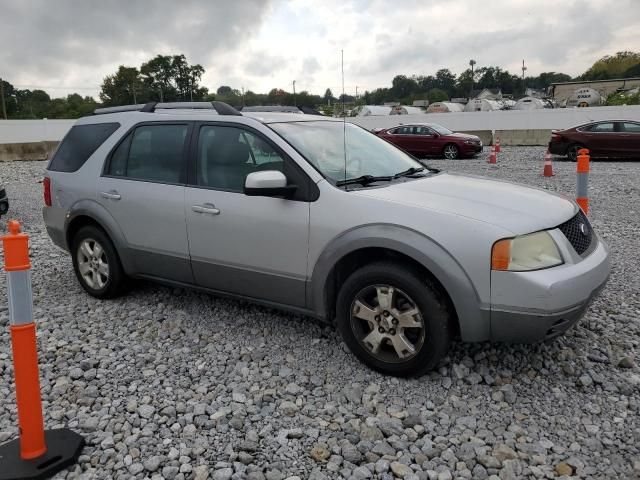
<point x="423" y="139"/>
<point x="608" y="138"/>
<point x="4" y="201"/>
<point x="322" y="218"/>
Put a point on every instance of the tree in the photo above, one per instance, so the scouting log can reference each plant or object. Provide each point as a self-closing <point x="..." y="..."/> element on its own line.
<point x="223" y="90"/>
<point x="612" y="66"/>
<point x="445" y="80"/>
<point x="402" y="86"/>
<point x="328" y="96"/>
<point x="123" y="87"/>
<point x="437" y="95"/>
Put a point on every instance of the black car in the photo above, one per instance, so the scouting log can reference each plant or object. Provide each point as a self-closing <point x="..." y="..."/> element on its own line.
<point x="4" y="201"/>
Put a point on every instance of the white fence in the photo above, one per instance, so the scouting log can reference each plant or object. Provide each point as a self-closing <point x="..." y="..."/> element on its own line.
<point x="25" y="131"/>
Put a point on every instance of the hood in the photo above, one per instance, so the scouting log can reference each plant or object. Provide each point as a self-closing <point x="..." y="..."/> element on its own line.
<point x="517" y="208"/>
<point x="463" y="136"/>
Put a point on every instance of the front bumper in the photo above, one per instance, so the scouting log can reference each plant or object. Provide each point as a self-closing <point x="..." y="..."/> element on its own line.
<point x="471" y="149"/>
<point x="533" y="306"/>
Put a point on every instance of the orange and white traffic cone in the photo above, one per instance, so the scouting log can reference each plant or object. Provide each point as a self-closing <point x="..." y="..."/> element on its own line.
<point x="497" y="144"/>
<point x="492" y="157"/>
<point x="548" y="168"/>
<point x="582" y="181"/>
<point x="36" y="453"/>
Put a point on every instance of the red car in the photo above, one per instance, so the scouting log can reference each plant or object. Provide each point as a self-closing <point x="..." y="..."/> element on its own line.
<point x="608" y="138"/>
<point x="421" y="139"/>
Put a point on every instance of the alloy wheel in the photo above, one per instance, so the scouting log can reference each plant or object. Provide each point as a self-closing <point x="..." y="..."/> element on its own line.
<point x="387" y="323"/>
<point x="450" y="152"/>
<point x="93" y="263"/>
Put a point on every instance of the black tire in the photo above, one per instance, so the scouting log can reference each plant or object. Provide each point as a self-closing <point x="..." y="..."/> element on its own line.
<point x="114" y="282"/>
<point x="426" y="297"/>
<point x="451" y="151"/>
<point x="572" y="151"/>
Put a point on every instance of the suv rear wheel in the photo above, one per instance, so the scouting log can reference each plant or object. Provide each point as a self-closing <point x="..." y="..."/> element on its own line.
<point x="393" y="319"/>
<point x="96" y="263"/>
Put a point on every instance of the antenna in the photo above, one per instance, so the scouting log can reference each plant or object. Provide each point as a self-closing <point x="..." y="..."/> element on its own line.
<point x="344" y="118"/>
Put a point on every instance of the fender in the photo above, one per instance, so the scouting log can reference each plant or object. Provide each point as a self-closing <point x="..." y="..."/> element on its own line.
<point x="99" y="214"/>
<point x="473" y="316"/>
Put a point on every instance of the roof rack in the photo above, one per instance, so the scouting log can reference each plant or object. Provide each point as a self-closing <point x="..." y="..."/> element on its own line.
<point x="220" y="107"/>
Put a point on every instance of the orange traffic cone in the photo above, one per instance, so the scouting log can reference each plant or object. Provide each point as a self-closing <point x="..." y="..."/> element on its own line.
<point x="497" y="144"/>
<point x="493" y="156"/>
<point x="548" y="168"/>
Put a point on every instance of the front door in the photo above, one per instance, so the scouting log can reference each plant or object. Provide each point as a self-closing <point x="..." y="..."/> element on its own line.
<point x="250" y="246"/>
<point x="142" y="187"/>
<point x="630" y="139"/>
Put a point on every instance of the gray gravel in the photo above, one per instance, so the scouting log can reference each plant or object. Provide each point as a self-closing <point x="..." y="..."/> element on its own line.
<point x="168" y="383"/>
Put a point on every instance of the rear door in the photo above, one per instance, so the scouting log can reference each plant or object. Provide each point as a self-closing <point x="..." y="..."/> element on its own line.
<point x="630" y="138"/>
<point x="403" y="137"/>
<point x="142" y="187"/>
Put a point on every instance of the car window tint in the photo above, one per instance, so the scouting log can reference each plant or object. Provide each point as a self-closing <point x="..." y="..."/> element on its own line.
<point x="79" y="144"/>
<point x="631" y="127"/>
<point x="404" y="130"/>
<point x="226" y="155"/>
<point x="422" y="130"/>
<point x="602" y="127"/>
<point x="156" y="153"/>
<point x="118" y="163"/>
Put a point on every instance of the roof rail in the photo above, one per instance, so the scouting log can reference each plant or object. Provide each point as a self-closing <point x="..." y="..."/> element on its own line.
<point x="220" y="107"/>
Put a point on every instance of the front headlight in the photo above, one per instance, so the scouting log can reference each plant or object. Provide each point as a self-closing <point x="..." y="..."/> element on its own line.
<point x="526" y="252"/>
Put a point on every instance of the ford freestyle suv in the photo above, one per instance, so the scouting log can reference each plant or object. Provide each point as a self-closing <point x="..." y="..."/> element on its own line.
<point x="323" y="218"/>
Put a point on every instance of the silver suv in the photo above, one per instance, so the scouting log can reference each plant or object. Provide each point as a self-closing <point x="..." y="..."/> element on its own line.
<point x="322" y="218"/>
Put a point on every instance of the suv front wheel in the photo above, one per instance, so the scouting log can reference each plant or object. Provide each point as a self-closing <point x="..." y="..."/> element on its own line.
<point x="96" y="263"/>
<point x="393" y="319"/>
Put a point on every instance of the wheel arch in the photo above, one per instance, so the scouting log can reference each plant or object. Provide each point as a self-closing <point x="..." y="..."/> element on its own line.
<point x="88" y="212"/>
<point x="382" y="241"/>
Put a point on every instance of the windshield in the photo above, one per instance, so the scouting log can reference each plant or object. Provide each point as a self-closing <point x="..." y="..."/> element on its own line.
<point x="440" y="129"/>
<point x="323" y="144"/>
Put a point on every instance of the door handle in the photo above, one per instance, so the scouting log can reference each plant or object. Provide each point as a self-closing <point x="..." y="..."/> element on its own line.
<point x="112" y="195"/>
<point x="206" y="208"/>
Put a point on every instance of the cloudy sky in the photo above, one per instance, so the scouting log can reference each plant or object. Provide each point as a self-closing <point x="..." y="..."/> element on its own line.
<point x="65" y="46"/>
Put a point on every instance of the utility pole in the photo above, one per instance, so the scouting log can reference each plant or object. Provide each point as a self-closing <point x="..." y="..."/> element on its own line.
<point x="523" y="70"/>
<point x="4" y="107"/>
<point x="356" y="93"/>
<point x="294" y="94"/>
<point x="133" y="88"/>
<point x="472" y="62"/>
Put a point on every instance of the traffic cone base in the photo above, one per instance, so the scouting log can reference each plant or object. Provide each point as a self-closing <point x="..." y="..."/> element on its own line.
<point x="63" y="449"/>
<point x="492" y="156"/>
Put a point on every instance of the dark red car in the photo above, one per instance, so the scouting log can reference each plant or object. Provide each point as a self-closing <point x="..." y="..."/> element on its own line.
<point x="608" y="138"/>
<point x="421" y="139"/>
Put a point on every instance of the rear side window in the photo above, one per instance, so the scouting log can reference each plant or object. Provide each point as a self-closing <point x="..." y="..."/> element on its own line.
<point x="79" y="144"/>
<point x="153" y="153"/>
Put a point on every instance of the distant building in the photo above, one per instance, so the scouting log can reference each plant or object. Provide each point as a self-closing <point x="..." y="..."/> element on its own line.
<point x="561" y="92"/>
<point x="421" y="103"/>
<point x="486" y="94"/>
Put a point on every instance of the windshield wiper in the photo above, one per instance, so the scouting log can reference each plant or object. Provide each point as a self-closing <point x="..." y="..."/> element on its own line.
<point x="408" y="172"/>
<point x="364" y="180"/>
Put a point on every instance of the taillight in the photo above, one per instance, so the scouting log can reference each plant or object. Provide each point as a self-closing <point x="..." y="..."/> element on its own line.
<point x="555" y="136"/>
<point x="46" y="185"/>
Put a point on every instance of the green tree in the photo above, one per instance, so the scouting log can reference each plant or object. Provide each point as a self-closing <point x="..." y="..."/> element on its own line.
<point x="437" y="95"/>
<point x="612" y="66"/>
<point x="123" y="87"/>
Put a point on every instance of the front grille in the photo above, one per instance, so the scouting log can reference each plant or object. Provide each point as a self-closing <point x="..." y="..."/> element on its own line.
<point x="578" y="231"/>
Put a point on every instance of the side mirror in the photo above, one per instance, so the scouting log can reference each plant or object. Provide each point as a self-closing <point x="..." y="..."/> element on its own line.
<point x="268" y="183"/>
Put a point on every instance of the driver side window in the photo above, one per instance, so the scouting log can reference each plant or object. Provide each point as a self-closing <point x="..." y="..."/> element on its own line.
<point x="226" y="155"/>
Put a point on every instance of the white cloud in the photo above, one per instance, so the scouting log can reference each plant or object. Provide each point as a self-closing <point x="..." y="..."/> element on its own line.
<point x="262" y="44"/>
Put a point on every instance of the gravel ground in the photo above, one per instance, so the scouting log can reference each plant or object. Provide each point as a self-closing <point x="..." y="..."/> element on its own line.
<point x="168" y="383"/>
